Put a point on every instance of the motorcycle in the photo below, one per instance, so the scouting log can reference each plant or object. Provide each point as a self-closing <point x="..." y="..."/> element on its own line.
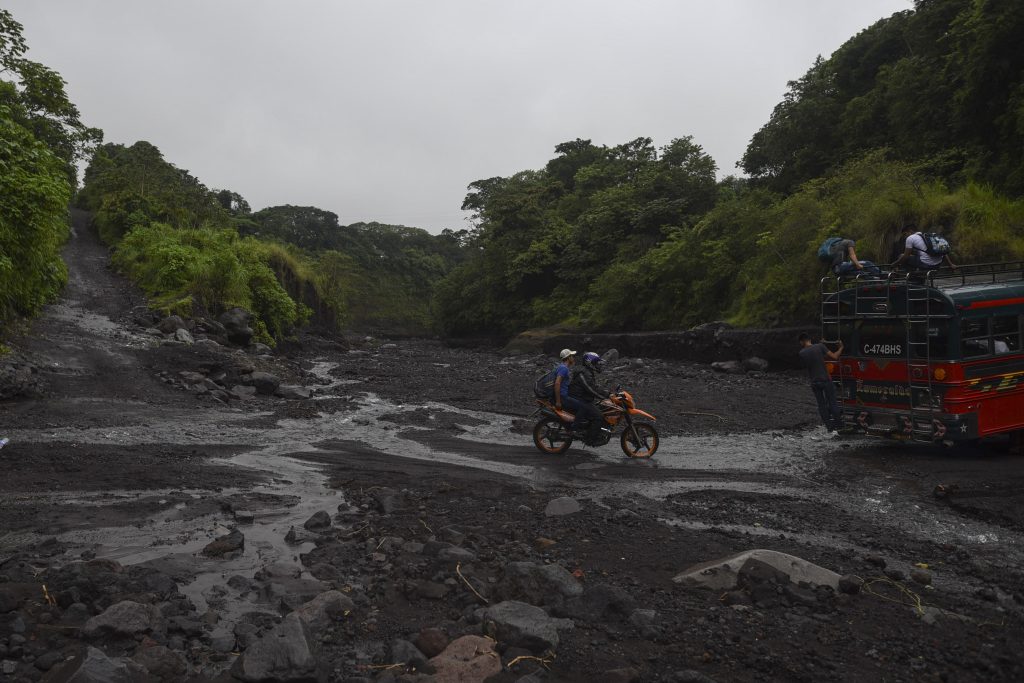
<point x="556" y="431"/>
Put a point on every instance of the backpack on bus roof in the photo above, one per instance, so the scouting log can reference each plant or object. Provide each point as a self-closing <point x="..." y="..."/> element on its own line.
<point x="827" y="250"/>
<point x="935" y="244"/>
<point x="544" y="387"/>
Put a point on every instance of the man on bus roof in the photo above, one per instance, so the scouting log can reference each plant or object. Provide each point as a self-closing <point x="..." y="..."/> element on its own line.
<point x="915" y="254"/>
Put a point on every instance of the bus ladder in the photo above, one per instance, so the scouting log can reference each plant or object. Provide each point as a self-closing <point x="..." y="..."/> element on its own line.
<point x="831" y="326"/>
<point x="919" y="365"/>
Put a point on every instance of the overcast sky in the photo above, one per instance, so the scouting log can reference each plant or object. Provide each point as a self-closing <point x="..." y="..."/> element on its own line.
<point x="386" y="110"/>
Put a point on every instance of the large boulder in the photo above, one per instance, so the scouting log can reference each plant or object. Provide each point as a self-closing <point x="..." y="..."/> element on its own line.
<point x="264" y="382"/>
<point x="324" y="609"/>
<point x="548" y="584"/>
<point x="726" y="573"/>
<point x="236" y="326"/>
<point x="522" y="625"/>
<point x="172" y="324"/>
<point x="125" y="618"/>
<point x="469" y="658"/>
<point x="284" y="653"/>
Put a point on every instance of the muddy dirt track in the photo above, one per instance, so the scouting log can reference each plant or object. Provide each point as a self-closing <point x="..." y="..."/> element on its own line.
<point x="177" y="536"/>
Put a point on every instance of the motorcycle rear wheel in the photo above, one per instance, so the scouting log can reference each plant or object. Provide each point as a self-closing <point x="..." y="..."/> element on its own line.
<point x="647" y="444"/>
<point x="551" y="436"/>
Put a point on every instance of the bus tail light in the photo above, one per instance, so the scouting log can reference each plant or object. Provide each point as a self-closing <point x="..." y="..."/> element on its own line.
<point x="940" y="374"/>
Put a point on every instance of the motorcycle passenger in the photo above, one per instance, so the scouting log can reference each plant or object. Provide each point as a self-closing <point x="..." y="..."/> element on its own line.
<point x="587" y="390"/>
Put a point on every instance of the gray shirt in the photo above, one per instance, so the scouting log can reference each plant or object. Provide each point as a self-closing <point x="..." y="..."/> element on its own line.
<point x="813" y="358"/>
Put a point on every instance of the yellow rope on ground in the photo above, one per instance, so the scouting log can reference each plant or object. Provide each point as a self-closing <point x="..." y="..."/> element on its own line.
<point x="915" y="599"/>
<point x="704" y="414"/>
<point x="458" y="570"/>
<point x="544" y="661"/>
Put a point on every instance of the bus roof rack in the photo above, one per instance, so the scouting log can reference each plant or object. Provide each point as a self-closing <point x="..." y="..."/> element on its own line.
<point x="943" y="278"/>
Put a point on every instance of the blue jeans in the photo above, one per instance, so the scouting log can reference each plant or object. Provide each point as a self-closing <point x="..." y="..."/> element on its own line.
<point x="828" y="406"/>
<point x="584" y="411"/>
<point x="847" y="268"/>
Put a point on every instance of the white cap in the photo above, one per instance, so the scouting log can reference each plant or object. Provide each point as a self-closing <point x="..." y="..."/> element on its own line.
<point x="566" y="353"/>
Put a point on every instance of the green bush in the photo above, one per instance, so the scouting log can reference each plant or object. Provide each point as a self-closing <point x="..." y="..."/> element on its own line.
<point x="34" y="196"/>
<point x="195" y="271"/>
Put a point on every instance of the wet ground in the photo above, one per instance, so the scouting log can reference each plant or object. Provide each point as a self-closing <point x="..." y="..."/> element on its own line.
<point x="114" y="462"/>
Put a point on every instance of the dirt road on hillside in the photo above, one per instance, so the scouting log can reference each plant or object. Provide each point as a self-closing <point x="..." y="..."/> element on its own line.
<point x="170" y="526"/>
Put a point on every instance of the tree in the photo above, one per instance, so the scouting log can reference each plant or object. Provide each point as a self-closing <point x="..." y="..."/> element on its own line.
<point x="37" y="101"/>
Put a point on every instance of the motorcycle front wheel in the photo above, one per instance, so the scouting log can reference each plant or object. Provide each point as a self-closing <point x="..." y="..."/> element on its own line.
<point x="551" y="436"/>
<point x="639" y="440"/>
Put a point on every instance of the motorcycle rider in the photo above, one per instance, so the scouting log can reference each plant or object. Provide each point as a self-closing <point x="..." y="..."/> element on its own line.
<point x="586" y="389"/>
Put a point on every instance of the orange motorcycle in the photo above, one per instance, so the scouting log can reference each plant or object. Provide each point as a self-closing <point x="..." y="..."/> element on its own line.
<point x="556" y="430"/>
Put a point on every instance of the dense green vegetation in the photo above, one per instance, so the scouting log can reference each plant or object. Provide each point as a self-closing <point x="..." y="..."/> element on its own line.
<point x="916" y="119"/>
<point x="199" y="251"/>
<point x="40" y="138"/>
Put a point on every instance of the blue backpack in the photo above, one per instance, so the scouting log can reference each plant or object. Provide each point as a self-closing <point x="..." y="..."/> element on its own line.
<point x="544" y="387"/>
<point x="826" y="252"/>
<point x="935" y="244"/>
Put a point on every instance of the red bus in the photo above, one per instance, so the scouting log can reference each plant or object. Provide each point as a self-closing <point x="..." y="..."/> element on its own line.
<point x="933" y="356"/>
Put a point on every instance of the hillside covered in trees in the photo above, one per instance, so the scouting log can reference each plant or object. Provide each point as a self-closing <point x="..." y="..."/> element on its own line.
<point x="918" y="118"/>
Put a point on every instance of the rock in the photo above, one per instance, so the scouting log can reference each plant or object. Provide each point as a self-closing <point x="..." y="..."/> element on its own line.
<point x="48" y="660"/>
<point x="465" y="660"/>
<point x="599" y="602"/>
<point x="319" y="520"/>
<point x="522" y="625"/>
<point x="290" y="594"/>
<point x="431" y="590"/>
<point x="875" y="560"/>
<point x="242" y="392"/>
<point x="624" y="675"/>
<point x="732" y="367"/>
<point x="724" y="574"/>
<point x="431" y="641"/>
<point x="191" y="377"/>
<point x="455" y="554"/>
<point x="184" y="336"/>
<point x="125" y="618"/>
<point x="258" y="349"/>
<point x="161" y="662"/>
<point x="755" y="364"/>
<point x="229" y="543"/>
<point x="297" y="536"/>
<point x="324" y="610"/>
<point x="850" y="584"/>
<point x="293" y="392"/>
<point x="12" y="595"/>
<point x="171" y="324"/>
<point x="560" y="507"/>
<point x="96" y="667"/>
<point x="610" y="356"/>
<point x="895" y="574"/>
<point x="236" y="326"/>
<point x="537" y="585"/>
<point x="284" y="653"/>
<point x="404" y="652"/>
<point x="264" y="382"/>
<point x="388" y="500"/>
<point x="921" y="576"/>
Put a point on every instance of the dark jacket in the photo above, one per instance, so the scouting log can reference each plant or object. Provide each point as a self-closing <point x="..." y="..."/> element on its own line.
<point x="584" y="385"/>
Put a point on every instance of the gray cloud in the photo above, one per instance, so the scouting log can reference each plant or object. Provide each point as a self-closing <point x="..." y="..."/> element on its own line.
<point x="386" y="110"/>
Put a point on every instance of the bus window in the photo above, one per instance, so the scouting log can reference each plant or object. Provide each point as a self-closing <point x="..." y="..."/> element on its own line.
<point x="974" y="337"/>
<point x="938" y="339"/>
<point x="1005" y="333"/>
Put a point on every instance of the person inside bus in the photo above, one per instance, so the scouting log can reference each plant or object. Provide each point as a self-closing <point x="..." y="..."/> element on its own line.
<point x="813" y="356"/>
<point x="915" y="256"/>
<point x="845" y="261"/>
